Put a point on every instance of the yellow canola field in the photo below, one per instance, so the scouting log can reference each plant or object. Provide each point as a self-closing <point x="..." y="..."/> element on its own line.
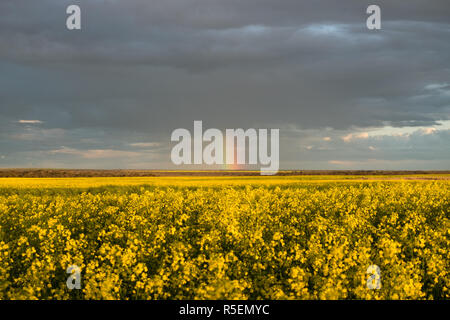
<point x="195" y="181"/>
<point x="165" y="181"/>
<point x="224" y="238"/>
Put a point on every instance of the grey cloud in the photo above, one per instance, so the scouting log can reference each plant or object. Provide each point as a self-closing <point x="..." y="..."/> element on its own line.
<point x="139" y="69"/>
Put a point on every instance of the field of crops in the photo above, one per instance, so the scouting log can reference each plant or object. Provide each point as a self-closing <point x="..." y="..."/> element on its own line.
<point x="224" y="238"/>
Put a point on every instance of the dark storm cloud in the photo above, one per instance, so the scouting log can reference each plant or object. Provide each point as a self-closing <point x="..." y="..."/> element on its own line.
<point x="139" y="69"/>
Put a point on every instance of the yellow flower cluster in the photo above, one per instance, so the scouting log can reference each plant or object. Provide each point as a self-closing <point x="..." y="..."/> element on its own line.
<point x="302" y="241"/>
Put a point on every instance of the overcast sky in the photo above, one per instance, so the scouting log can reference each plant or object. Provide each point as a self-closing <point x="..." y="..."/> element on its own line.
<point x="109" y="95"/>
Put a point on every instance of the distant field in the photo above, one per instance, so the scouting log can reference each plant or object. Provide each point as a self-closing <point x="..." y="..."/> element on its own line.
<point x="54" y="173"/>
<point x="220" y="237"/>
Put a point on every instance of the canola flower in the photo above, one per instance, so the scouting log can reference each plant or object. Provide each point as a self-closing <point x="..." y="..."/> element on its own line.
<point x="203" y="239"/>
